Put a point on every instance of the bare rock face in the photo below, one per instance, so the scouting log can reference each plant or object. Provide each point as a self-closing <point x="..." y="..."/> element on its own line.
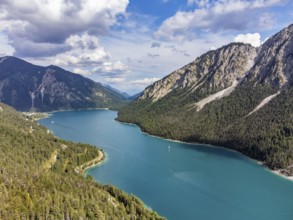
<point x="274" y="63"/>
<point x="213" y="70"/>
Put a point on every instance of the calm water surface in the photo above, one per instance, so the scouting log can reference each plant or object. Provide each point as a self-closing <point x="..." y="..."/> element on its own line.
<point x="179" y="181"/>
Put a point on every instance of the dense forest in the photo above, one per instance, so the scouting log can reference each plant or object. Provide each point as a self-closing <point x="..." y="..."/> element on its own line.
<point x="38" y="178"/>
<point x="266" y="135"/>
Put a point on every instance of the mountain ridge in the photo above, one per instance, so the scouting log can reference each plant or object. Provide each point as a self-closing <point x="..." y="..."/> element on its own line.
<point x="205" y="69"/>
<point x="29" y="87"/>
<point x="245" y="108"/>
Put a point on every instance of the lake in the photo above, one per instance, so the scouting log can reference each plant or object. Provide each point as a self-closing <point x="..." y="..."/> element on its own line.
<point x="179" y="181"/>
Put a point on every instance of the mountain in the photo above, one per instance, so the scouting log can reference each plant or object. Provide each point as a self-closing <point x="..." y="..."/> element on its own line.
<point x="237" y="96"/>
<point x="211" y="72"/>
<point x="28" y="87"/>
<point x="133" y="97"/>
<point x="124" y="94"/>
<point x="39" y="180"/>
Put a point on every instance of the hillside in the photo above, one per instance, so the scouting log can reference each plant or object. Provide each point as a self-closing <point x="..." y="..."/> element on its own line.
<point x="38" y="178"/>
<point x="28" y="87"/>
<point x="236" y="96"/>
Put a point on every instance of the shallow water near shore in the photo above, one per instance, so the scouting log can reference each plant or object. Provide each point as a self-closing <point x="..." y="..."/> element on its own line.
<point x="178" y="180"/>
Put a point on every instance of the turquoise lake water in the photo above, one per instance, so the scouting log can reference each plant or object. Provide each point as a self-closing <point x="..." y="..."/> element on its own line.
<point x="179" y="181"/>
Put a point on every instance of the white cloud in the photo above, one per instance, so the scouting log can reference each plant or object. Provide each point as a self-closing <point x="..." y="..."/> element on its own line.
<point x="253" y="39"/>
<point x="216" y="16"/>
<point x="110" y="67"/>
<point x="200" y="3"/>
<point x="5" y="48"/>
<point x="144" y="82"/>
<point x="114" y="80"/>
<point x="55" y="20"/>
<point x="84" y="50"/>
<point x="87" y="57"/>
<point x="82" y="71"/>
<point x="82" y="41"/>
<point x="45" y="28"/>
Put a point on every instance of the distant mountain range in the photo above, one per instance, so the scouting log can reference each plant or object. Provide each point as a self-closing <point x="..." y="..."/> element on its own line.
<point x="124" y="94"/>
<point x="237" y="96"/>
<point x="28" y="87"/>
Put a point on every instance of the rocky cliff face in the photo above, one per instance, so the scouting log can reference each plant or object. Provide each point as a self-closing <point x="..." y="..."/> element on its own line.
<point x="28" y="87"/>
<point x="274" y="63"/>
<point x="213" y="70"/>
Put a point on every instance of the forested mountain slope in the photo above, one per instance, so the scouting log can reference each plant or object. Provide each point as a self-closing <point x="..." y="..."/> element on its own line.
<point x="38" y="178"/>
<point x="237" y="96"/>
<point x="28" y="87"/>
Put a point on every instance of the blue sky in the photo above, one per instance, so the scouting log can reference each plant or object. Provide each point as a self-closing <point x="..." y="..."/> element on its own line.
<point x="129" y="44"/>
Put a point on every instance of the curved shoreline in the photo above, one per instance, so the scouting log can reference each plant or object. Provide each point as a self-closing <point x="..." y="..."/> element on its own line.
<point x="92" y="163"/>
<point x="275" y="172"/>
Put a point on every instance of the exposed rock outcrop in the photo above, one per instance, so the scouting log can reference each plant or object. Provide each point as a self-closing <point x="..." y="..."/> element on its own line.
<point x="215" y="70"/>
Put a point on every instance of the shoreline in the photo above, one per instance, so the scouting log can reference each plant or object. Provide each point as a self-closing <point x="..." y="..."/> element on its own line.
<point x="75" y="110"/>
<point x="35" y="116"/>
<point x="260" y="163"/>
<point x="65" y="110"/>
<point x="279" y="172"/>
<point x="92" y="163"/>
<point x="87" y="165"/>
<point x="49" y="114"/>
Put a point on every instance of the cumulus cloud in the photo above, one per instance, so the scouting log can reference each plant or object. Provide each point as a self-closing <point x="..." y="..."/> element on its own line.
<point x="217" y="16"/>
<point x="64" y="33"/>
<point x="53" y="21"/>
<point x="84" y="50"/>
<point x="112" y="70"/>
<point x="40" y="28"/>
<point x="253" y="39"/>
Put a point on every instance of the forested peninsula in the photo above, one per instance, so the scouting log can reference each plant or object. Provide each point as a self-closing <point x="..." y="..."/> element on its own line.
<point x="38" y="178"/>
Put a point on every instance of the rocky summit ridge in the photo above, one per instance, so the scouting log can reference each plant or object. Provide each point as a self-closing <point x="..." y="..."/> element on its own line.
<point x="214" y="70"/>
